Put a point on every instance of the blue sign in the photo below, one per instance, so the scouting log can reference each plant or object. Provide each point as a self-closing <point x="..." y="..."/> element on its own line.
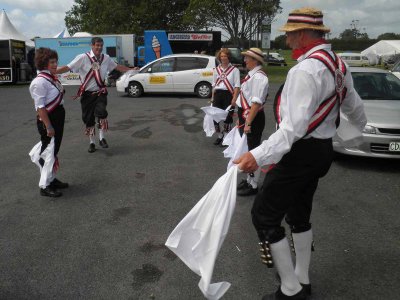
<point x="156" y="44"/>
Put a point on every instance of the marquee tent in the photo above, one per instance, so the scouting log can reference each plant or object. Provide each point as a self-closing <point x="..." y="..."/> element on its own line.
<point x="382" y="49"/>
<point x="9" y="32"/>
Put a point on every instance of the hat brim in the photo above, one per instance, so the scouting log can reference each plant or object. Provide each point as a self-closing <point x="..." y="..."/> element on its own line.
<point x="252" y="55"/>
<point x="290" y="27"/>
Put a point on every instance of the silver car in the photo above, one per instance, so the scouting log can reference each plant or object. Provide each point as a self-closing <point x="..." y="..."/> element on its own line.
<point x="380" y="91"/>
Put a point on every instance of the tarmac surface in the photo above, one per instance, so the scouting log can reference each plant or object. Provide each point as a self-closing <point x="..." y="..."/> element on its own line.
<point x="104" y="239"/>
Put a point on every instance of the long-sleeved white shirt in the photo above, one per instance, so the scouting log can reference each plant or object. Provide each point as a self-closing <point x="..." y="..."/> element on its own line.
<point x="82" y="65"/>
<point x="43" y="92"/>
<point x="307" y="85"/>
<point x="255" y="89"/>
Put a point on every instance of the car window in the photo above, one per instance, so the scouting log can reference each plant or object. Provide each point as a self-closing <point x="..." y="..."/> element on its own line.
<point x="190" y="63"/>
<point x="163" y="65"/>
<point x="375" y="86"/>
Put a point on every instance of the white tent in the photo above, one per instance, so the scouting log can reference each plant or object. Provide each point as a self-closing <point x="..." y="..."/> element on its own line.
<point x="62" y="34"/>
<point x="382" y="49"/>
<point x="9" y="32"/>
<point x="82" y="34"/>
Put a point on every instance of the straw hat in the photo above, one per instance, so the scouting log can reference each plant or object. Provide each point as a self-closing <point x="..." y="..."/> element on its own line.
<point x="255" y="53"/>
<point x="305" y="18"/>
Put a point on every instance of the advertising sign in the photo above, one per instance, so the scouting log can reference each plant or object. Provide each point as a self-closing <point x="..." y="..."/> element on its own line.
<point x="266" y="36"/>
<point x="5" y="75"/>
<point x="190" y="36"/>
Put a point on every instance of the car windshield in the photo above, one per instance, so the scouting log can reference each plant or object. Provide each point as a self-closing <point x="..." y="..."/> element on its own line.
<point x="396" y="67"/>
<point x="376" y="86"/>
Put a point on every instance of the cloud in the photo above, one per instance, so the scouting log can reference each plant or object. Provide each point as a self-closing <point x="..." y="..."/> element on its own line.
<point x="40" y="5"/>
<point x="374" y="17"/>
<point x="43" y="18"/>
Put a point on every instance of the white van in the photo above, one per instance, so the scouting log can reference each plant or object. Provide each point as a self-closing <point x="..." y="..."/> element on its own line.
<point x="355" y="59"/>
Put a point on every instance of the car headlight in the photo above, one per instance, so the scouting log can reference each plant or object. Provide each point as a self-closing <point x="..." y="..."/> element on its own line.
<point x="369" y="129"/>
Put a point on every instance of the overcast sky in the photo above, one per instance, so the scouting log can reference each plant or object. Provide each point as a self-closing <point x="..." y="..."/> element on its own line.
<point x="45" y="18"/>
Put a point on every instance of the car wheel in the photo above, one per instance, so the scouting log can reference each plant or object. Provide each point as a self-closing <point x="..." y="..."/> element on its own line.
<point x="135" y="89"/>
<point x="203" y="90"/>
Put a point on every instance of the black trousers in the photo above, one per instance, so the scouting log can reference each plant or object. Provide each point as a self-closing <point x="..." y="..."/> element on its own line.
<point x="93" y="106"/>
<point x="57" y="119"/>
<point x="257" y="128"/>
<point x="288" y="189"/>
<point x="222" y="99"/>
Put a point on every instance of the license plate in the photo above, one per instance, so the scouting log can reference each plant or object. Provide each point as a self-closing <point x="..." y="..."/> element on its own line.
<point x="394" y="146"/>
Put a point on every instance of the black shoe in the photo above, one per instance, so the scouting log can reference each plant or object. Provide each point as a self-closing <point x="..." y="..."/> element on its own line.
<point x="247" y="191"/>
<point x="278" y="295"/>
<point x="50" y="192"/>
<point x="57" y="184"/>
<point x="218" y="141"/>
<point x="103" y="143"/>
<point x="92" y="148"/>
<point x="243" y="184"/>
<point x="306" y="287"/>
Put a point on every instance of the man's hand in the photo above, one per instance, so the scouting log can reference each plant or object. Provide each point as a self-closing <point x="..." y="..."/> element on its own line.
<point x="50" y="131"/>
<point x="246" y="163"/>
<point x="247" y="129"/>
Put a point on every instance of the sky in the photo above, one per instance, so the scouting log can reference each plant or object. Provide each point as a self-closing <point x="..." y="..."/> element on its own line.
<point x="45" y="18"/>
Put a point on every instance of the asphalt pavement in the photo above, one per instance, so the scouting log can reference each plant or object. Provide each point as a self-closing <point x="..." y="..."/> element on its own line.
<point x="104" y="238"/>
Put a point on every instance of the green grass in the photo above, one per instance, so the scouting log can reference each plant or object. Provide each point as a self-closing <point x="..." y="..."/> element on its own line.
<point x="277" y="74"/>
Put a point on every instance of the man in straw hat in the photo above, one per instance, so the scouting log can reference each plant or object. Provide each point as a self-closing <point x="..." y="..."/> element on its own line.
<point x="300" y="151"/>
<point x="253" y="93"/>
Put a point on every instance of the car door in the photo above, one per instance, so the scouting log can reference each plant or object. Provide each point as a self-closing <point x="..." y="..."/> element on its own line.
<point x="188" y="73"/>
<point x="158" y="76"/>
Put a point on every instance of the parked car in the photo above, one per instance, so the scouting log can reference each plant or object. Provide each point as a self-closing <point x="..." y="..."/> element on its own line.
<point x="177" y="73"/>
<point x="355" y="59"/>
<point x="380" y="92"/>
<point x="274" y="59"/>
<point x="396" y="69"/>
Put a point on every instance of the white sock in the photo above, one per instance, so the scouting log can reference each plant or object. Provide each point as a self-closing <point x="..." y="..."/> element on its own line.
<point x="254" y="180"/>
<point x="92" y="139"/>
<point x="302" y="245"/>
<point x="101" y="134"/>
<point x="283" y="262"/>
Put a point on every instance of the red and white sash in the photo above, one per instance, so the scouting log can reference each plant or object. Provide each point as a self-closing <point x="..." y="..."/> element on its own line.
<point x="223" y="77"/>
<point x="94" y="72"/>
<point x="338" y="71"/>
<point x="54" y="81"/>
<point x="243" y="101"/>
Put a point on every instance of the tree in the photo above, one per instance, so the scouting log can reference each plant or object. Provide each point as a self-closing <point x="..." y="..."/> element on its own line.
<point x="240" y="19"/>
<point x="125" y="16"/>
<point x="389" y="36"/>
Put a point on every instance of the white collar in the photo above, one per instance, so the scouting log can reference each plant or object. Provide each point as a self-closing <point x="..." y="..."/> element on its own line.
<point x="226" y="67"/>
<point x="253" y="71"/>
<point x="316" y="48"/>
<point x="43" y="71"/>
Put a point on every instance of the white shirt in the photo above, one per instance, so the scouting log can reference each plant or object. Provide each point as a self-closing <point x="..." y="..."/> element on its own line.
<point x="42" y="91"/>
<point x="233" y="78"/>
<point x="307" y="85"/>
<point x="82" y="65"/>
<point x="255" y="89"/>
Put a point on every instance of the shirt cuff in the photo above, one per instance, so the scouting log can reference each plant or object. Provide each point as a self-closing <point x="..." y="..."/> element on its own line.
<point x="258" y="154"/>
<point x="256" y="100"/>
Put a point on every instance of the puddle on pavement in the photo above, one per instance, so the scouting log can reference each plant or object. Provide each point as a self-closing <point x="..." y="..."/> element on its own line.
<point x="186" y="115"/>
<point x="119" y="213"/>
<point x="147" y="274"/>
<point x="143" y="133"/>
